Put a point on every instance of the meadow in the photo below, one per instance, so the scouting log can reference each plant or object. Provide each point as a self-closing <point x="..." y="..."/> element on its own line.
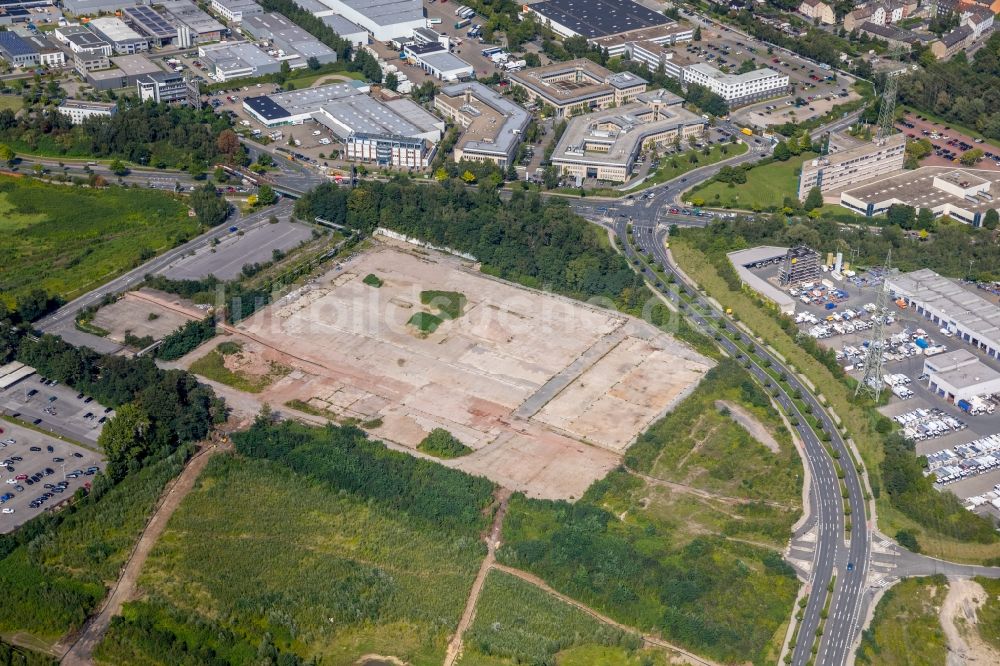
<point x="324" y="571"/>
<point x="518" y="623"/>
<point x="67" y="239"/>
<point x="766" y="187"/>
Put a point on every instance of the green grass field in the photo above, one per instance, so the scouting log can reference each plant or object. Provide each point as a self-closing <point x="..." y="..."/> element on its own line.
<point x="261" y="549"/>
<point x="67" y="240"/>
<point x="11" y="102"/>
<point x="517" y="623"/>
<point x="906" y="629"/>
<point x="766" y="187"/>
<point x="449" y="304"/>
<point x="668" y="171"/>
<point x="425" y="321"/>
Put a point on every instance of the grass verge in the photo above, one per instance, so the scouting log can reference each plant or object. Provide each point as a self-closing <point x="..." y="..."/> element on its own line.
<point x="765" y="189"/>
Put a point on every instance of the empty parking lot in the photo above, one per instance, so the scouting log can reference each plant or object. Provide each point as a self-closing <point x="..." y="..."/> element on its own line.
<point x="55" y="408"/>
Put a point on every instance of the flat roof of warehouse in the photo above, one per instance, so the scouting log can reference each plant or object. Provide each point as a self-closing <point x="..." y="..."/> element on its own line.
<point x="949" y="298"/>
<point x="599" y="18"/>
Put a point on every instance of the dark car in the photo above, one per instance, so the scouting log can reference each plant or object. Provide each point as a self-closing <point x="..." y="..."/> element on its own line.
<point x="49" y="448"/>
<point x="77" y="454"/>
<point x="58" y="459"/>
<point x="36" y="422"/>
<point x="36" y="448"/>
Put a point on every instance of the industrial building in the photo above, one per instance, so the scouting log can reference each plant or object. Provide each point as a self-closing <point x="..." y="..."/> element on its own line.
<point x="955" y="309"/>
<point x="800" y="264"/>
<point x="49" y="55"/>
<point x="347" y="29"/>
<point x="668" y="34"/>
<point x="737" y="89"/>
<point x="17" y="50"/>
<point x="384" y="19"/>
<point x="594" y="18"/>
<point x="605" y="144"/>
<point x="81" y="40"/>
<point x="79" y="110"/>
<point x="961" y="194"/>
<point x="493" y="125"/>
<point x="438" y="61"/>
<point x="579" y="84"/>
<point x="396" y="132"/>
<point x="858" y="161"/>
<point x="95" y="7"/>
<point x="167" y="87"/>
<point x="959" y="375"/>
<point x="83" y="63"/>
<point x="229" y="61"/>
<point x="123" y="39"/>
<point x="125" y="71"/>
<point x="150" y="24"/>
<point x="194" y="26"/>
<point x="235" y="11"/>
<point x="291" y="43"/>
<point x="744" y="261"/>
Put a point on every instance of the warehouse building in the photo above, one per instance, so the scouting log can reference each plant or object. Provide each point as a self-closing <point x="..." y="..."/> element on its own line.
<point x="396" y="132"/>
<point x="662" y="35"/>
<point x="151" y="24"/>
<point x="49" y="55"/>
<point x="955" y="309"/>
<point x="235" y="11"/>
<point x="493" y="125"/>
<point x="959" y="375"/>
<point x="237" y="60"/>
<point x="579" y="84"/>
<point x="604" y="145"/>
<point x="193" y="25"/>
<point x="17" y="50"/>
<point x="81" y="40"/>
<point x="348" y="30"/>
<point x="123" y="39"/>
<point x="438" y="61"/>
<point x="961" y="194"/>
<point x="594" y="18"/>
<point x="746" y="261"/>
<point x="737" y="89"/>
<point x="384" y="19"/>
<point x="855" y="162"/>
<point x="79" y="110"/>
<point x="289" y="43"/>
<point x="83" y="63"/>
<point x="95" y="7"/>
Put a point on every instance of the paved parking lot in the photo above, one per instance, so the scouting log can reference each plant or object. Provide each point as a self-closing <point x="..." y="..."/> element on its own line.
<point x="56" y="409"/>
<point x="54" y="460"/>
<point x="948" y="143"/>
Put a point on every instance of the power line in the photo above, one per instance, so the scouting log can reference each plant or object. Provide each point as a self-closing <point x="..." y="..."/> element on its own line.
<point x="871" y="374"/>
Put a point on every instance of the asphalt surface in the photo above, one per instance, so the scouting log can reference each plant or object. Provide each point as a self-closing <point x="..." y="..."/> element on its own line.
<point x="63" y="319"/>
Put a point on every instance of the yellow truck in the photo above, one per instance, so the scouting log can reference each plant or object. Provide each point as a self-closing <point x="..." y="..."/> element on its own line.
<point x="747" y="131"/>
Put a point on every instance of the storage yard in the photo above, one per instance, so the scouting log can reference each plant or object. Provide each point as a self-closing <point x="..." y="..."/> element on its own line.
<point x="549" y="392"/>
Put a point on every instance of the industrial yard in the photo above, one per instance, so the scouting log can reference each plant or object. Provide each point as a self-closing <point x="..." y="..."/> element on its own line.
<point x="548" y="392"/>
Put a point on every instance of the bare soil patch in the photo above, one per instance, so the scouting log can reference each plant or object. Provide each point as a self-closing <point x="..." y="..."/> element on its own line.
<point x="958" y="619"/>
<point x="547" y="391"/>
<point x="750" y="423"/>
<point x="145" y="312"/>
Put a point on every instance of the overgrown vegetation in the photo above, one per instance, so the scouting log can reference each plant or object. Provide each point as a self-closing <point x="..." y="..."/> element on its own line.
<point x="906" y="628"/>
<point x="213" y="366"/>
<point x="442" y="444"/>
<point x="187" y="338"/>
<point x="519" y="622"/>
<point x="11" y="655"/>
<point x="55" y="569"/>
<point x="65" y="240"/>
<point x="425" y="321"/>
<point x="449" y="304"/>
<point x="377" y="557"/>
<point x="372" y="280"/>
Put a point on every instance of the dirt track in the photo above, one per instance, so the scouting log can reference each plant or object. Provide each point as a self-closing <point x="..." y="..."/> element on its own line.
<point x="81" y="652"/>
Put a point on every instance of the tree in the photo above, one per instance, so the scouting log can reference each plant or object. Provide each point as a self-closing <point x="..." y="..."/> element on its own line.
<point x="991" y="219"/>
<point x="228" y="143"/>
<point x="697" y="34"/>
<point x="266" y="195"/>
<point x="34" y="304"/>
<point x="814" y="199"/>
<point x="118" y="167"/>
<point x="124" y="438"/>
<point x="209" y="206"/>
<point x="925" y="219"/>
<point x="7" y="155"/>
<point x="391" y="81"/>
<point x="468" y="176"/>
<point x="220" y="175"/>
<point x="902" y="216"/>
<point x="313" y="63"/>
<point x="781" y="152"/>
<point x="970" y="157"/>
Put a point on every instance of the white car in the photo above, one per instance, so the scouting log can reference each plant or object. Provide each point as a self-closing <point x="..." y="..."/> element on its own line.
<point x="8" y="510"/>
<point x="12" y="482"/>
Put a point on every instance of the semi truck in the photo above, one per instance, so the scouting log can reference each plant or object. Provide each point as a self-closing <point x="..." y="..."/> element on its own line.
<point x="461" y="24"/>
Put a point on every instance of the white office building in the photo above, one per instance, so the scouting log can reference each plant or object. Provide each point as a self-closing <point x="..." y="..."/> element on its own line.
<point x="737" y="89"/>
<point x="235" y="10"/>
<point x="79" y="110"/>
